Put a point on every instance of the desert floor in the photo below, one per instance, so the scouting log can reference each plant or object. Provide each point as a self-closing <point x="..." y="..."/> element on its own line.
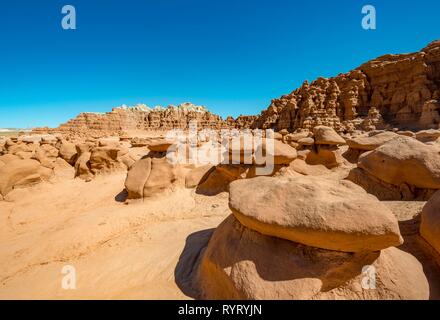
<point x="143" y="250"/>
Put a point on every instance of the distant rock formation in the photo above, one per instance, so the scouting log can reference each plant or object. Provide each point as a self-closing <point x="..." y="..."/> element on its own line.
<point x="393" y="90"/>
<point x="141" y="117"/>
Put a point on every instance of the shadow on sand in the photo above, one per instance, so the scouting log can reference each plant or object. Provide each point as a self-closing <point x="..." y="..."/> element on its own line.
<point x="186" y="269"/>
<point x="121" y="196"/>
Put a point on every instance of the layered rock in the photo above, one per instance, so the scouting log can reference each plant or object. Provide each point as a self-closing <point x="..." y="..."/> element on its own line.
<point x="392" y="90"/>
<point x="241" y="263"/>
<point x="328" y="214"/>
<point x="141" y="117"/>
<point x="401" y="169"/>
<point x="272" y="245"/>
<point x="430" y="225"/>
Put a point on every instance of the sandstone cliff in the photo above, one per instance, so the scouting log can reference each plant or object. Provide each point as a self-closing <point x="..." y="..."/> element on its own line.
<point x="393" y="90"/>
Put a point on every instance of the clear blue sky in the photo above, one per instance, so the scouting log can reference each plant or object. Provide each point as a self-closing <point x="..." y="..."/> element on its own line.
<point x="232" y="56"/>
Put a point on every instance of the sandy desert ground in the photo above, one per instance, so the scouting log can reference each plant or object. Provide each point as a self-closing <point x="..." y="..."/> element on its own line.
<point x="142" y="250"/>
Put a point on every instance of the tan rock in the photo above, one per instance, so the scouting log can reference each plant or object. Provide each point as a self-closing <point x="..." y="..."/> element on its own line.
<point x="306" y="141"/>
<point x="327" y="135"/>
<point x="82" y="166"/>
<point x="428" y="135"/>
<point x="334" y="215"/>
<point x="18" y="173"/>
<point x="161" y="177"/>
<point x="240" y="263"/>
<point x="160" y="145"/>
<point x="302" y="167"/>
<point x="63" y="169"/>
<point x="430" y="225"/>
<point x="105" y="159"/>
<point x="6" y="158"/>
<point x="198" y="175"/>
<point x="328" y="155"/>
<point x="282" y="154"/>
<point x="404" y="160"/>
<point x="369" y="143"/>
<point x="68" y="152"/>
<point x="137" y="177"/>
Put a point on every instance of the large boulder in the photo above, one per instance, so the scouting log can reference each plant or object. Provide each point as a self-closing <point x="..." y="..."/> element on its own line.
<point x="295" y="137"/>
<point x="404" y="160"/>
<point x="6" y="158"/>
<point x="428" y="135"/>
<point x="386" y="191"/>
<point x="368" y="143"/>
<point x="240" y="263"/>
<point x="328" y="214"/>
<point x="149" y="176"/>
<point x="160" y="145"/>
<point x="82" y="166"/>
<point x="282" y="153"/>
<point x="328" y="155"/>
<point x="430" y="225"/>
<point x="19" y="173"/>
<point x="68" y="152"/>
<point x="137" y="177"/>
<point x="162" y="176"/>
<point x="327" y="135"/>
<point x="107" y="159"/>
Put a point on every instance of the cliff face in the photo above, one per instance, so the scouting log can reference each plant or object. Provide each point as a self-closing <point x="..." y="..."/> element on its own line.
<point x="393" y="90"/>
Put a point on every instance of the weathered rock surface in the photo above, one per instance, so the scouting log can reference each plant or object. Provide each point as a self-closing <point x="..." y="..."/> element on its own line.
<point x="150" y="176"/>
<point x="240" y="263"/>
<point x="404" y="160"/>
<point x="398" y="90"/>
<point x="386" y="191"/>
<point x="368" y="143"/>
<point x="19" y="173"/>
<point x="327" y="135"/>
<point x="198" y="175"/>
<point x="430" y="225"/>
<point x="334" y="215"/>
<point x="282" y="154"/>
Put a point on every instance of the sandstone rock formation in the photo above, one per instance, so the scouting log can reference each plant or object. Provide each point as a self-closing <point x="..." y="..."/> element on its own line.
<point x="370" y="142"/>
<point x="401" y="169"/>
<point x="240" y="263"/>
<point x="392" y="90"/>
<point x="430" y="225"/>
<point x="19" y="173"/>
<point x="328" y="214"/>
<point x="141" y="117"/>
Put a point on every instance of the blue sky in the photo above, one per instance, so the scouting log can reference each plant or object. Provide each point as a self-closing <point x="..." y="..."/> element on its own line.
<point x="232" y="56"/>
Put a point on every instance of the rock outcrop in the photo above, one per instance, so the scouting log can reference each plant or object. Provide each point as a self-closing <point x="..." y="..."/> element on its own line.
<point x="240" y="263"/>
<point x="327" y="214"/>
<point x="141" y="117"/>
<point x="430" y="225"/>
<point x="401" y="169"/>
<point x="390" y="91"/>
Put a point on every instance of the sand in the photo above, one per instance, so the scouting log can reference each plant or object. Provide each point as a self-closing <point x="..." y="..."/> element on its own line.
<point x="119" y="251"/>
<point x="143" y="250"/>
